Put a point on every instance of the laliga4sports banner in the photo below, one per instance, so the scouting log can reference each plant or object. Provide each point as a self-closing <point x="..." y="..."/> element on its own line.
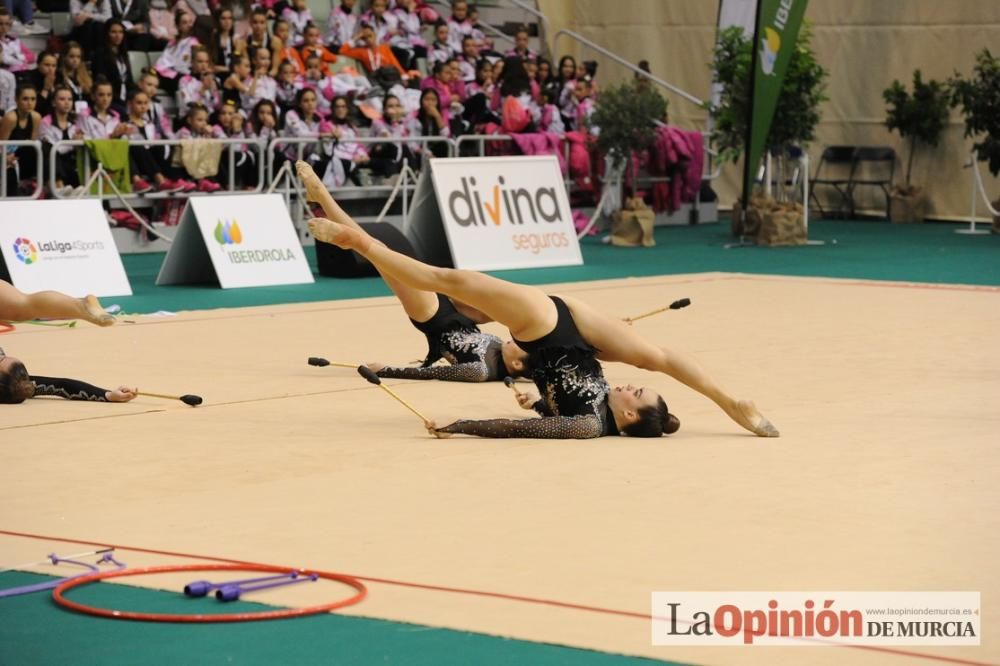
<point x="777" y="29"/>
<point x="63" y="245"/>
<point x="505" y="212"/>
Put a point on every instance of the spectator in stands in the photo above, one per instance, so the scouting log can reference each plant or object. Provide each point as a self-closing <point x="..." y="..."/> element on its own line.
<point x="149" y="83"/>
<point x="381" y="21"/>
<point x="583" y="107"/>
<point x="44" y="78"/>
<point x="200" y="85"/>
<point x="521" y="40"/>
<point x="563" y="85"/>
<point x="519" y="111"/>
<point x="408" y="44"/>
<point x="550" y="119"/>
<point x="111" y="62"/>
<point x="287" y="52"/>
<point x="456" y="84"/>
<point x="440" y="82"/>
<point x="89" y="17"/>
<point x="148" y="171"/>
<point x="175" y="61"/>
<point x="201" y="11"/>
<point x="260" y="38"/>
<point x="483" y="83"/>
<point x="21" y="124"/>
<point x="314" y="79"/>
<point x="303" y="122"/>
<point x="531" y="69"/>
<point x="263" y="121"/>
<point x="8" y="88"/>
<point x="60" y="125"/>
<point x="313" y="46"/>
<point x="244" y="159"/>
<point x="440" y="49"/>
<point x="341" y="25"/>
<point x="73" y="74"/>
<point x="261" y="86"/>
<point x="236" y="87"/>
<point x="372" y="55"/>
<point x="544" y="75"/>
<point x="14" y="55"/>
<point x="100" y="121"/>
<point x="224" y="42"/>
<point x="22" y="16"/>
<point x="467" y="62"/>
<point x="485" y="43"/>
<point x="299" y="17"/>
<point x="459" y="25"/>
<point x="197" y="126"/>
<point x="134" y="15"/>
<point x="348" y="156"/>
<point x="388" y="159"/>
<point x="431" y="120"/>
<point x="289" y="84"/>
<point x="641" y="81"/>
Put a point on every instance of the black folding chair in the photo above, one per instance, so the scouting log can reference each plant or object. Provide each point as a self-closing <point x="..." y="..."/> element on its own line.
<point x="835" y="170"/>
<point x="873" y="166"/>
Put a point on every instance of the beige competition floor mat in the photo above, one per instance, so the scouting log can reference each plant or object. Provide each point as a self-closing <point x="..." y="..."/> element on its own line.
<point x="885" y="477"/>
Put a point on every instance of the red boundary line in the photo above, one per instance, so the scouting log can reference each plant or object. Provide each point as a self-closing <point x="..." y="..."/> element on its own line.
<point x="478" y="593"/>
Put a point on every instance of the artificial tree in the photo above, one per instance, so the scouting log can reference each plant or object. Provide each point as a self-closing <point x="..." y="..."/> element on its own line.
<point x="921" y="117"/>
<point x="979" y="97"/>
<point x="796" y="114"/>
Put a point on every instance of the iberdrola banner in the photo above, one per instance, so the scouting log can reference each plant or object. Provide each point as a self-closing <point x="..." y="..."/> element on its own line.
<point x="776" y="32"/>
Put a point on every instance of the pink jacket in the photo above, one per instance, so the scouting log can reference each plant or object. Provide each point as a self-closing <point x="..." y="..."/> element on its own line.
<point x="541" y="143"/>
<point x="681" y="154"/>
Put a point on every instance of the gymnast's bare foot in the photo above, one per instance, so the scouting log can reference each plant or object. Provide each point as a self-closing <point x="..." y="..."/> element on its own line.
<point x="745" y="413"/>
<point x="94" y="313"/>
<point x="314" y="186"/>
<point x="326" y="231"/>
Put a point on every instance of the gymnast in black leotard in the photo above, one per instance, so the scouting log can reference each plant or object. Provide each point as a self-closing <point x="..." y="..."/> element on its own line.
<point x="575" y="400"/>
<point x="473" y="356"/>
<point x="16" y="386"/>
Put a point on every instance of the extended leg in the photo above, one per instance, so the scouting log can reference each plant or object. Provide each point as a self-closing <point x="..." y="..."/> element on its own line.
<point x="418" y="304"/>
<point x="620" y="343"/>
<point x="18" y="306"/>
<point x="526" y="311"/>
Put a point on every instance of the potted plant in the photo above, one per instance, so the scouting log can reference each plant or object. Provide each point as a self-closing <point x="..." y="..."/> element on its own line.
<point x="921" y="117"/>
<point x="979" y="97"/>
<point x="627" y="116"/>
<point x="781" y="220"/>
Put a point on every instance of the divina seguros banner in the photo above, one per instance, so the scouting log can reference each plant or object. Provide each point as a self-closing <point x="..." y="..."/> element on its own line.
<point x="505" y="212"/>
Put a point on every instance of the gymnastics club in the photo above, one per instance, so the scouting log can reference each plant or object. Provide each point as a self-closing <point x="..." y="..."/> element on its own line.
<point x="509" y="383"/>
<point x="192" y="400"/>
<point x="200" y="588"/>
<point x="53" y="559"/>
<point x="322" y="363"/>
<point x="372" y="378"/>
<point x="676" y="305"/>
<point x="233" y="592"/>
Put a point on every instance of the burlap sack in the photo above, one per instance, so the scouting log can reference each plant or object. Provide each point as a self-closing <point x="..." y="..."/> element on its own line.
<point x="782" y="224"/>
<point x="633" y="225"/>
<point x="908" y="206"/>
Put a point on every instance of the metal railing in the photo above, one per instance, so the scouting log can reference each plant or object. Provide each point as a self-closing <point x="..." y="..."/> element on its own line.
<point x="23" y="143"/>
<point x="231" y="148"/>
<point x="627" y="65"/>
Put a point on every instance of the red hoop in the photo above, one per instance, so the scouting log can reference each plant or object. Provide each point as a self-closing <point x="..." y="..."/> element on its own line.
<point x="6" y="327"/>
<point x="57" y="595"/>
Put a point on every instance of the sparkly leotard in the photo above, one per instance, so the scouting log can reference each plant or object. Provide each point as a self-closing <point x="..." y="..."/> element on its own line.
<point x="574" y="393"/>
<point x="474" y="356"/>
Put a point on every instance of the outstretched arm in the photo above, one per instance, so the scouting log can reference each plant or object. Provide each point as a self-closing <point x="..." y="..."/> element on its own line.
<point x="548" y="427"/>
<point x="460" y="372"/>
<point x="73" y="389"/>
